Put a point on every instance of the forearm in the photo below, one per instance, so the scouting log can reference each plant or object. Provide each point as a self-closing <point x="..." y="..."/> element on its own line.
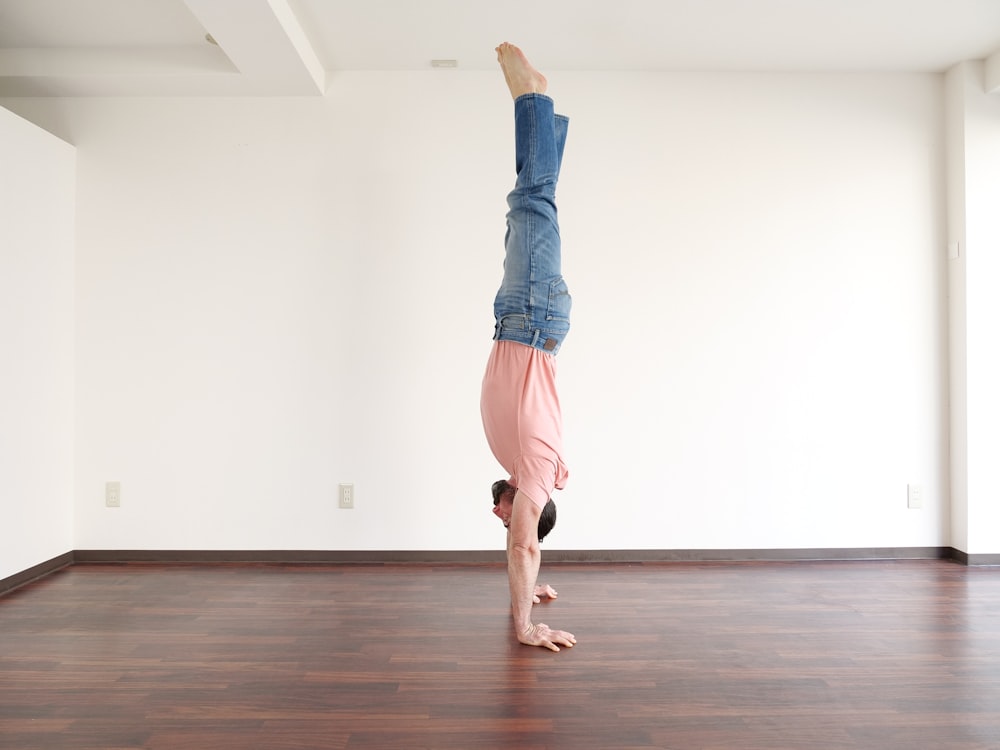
<point x="523" y="558"/>
<point x="522" y="572"/>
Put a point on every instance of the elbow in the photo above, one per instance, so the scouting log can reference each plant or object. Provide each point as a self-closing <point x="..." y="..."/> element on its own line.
<point x="525" y="547"/>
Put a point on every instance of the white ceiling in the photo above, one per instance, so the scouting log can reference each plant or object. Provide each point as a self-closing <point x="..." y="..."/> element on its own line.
<point x="293" y="47"/>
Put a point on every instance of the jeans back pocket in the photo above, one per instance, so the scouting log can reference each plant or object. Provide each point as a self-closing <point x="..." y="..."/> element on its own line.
<point x="560" y="301"/>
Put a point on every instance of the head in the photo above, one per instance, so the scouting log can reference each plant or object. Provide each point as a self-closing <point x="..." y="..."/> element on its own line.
<point x="503" y="505"/>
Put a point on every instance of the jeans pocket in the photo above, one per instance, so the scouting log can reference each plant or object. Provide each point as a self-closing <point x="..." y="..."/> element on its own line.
<point x="560" y="301"/>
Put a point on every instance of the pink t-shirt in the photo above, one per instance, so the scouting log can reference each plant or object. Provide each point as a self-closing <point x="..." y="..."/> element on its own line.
<point x="522" y="418"/>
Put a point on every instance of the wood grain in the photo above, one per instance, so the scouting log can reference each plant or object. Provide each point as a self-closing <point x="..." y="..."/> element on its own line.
<point x="686" y="656"/>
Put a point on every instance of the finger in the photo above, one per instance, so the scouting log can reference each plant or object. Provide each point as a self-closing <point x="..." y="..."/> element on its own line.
<point x="549" y="637"/>
<point x="567" y="639"/>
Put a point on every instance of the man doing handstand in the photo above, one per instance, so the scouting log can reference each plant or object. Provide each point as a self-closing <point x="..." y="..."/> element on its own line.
<point x="520" y="405"/>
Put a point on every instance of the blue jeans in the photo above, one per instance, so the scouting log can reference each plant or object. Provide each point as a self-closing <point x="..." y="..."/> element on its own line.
<point x="533" y="304"/>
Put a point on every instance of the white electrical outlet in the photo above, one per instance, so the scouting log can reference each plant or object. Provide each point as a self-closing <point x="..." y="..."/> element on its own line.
<point x="347" y="496"/>
<point x="112" y="494"/>
<point x="914" y="496"/>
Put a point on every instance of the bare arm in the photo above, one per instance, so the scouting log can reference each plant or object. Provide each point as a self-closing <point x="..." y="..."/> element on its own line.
<point x="523" y="560"/>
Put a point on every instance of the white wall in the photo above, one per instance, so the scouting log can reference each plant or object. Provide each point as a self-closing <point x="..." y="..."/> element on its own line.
<point x="275" y="296"/>
<point x="36" y="345"/>
<point x="974" y="224"/>
<point x="982" y="275"/>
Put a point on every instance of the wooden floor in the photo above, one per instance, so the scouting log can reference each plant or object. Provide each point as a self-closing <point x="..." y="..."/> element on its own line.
<point x="879" y="655"/>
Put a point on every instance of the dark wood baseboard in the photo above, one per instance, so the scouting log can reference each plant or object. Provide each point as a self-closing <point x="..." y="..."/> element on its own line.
<point x="747" y="555"/>
<point x="35" y="571"/>
<point x="376" y="557"/>
<point x="974" y="560"/>
<point x="471" y="557"/>
<point x="286" y="557"/>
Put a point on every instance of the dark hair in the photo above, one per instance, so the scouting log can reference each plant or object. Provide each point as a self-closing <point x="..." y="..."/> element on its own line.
<point x="546" y="522"/>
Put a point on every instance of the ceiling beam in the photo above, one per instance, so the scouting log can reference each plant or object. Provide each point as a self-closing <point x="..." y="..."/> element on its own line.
<point x="260" y="49"/>
<point x="50" y="62"/>
<point x="993" y="73"/>
<point x="265" y="42"/>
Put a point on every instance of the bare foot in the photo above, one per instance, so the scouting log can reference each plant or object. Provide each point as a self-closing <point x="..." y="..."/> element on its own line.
<point x="521" y="77"/>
